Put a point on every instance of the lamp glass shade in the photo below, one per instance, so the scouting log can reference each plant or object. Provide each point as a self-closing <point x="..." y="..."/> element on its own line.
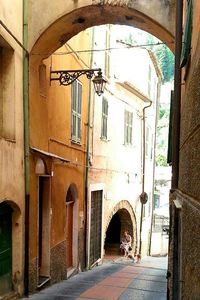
<point x="99" y="84"/>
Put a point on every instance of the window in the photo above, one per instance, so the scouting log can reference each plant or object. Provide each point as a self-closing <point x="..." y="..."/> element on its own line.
<point x="128" y="125"/>
<point x="7" y="92"/>
<point x="104" y="119"/>
<point x="148" y="144"/>
<point x="156" y="201"/>
<point x="42" y="81"/>
<point x="149" y="81"/>
<point x="107" y="52"/>
<point x="76" y="111"/>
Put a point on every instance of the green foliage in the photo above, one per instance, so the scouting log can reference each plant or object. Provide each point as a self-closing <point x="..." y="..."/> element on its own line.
<point x="163" y="54"/>
<point x="161" y="160"/>
<point x="166" y="61"/>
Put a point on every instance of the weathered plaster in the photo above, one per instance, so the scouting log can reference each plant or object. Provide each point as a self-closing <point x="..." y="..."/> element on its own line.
<point x="60" y="21"/>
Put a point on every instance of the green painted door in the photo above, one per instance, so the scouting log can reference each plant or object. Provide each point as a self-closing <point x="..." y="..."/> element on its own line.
<point x="5" y="248"/>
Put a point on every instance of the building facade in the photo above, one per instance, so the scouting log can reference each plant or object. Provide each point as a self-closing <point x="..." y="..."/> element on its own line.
<point x="184" y="262"/>
<point x="123" y="123"/>
<point x="12" y="201"/>
<point x="46" y="34"/>
<point x="58" y="127"/>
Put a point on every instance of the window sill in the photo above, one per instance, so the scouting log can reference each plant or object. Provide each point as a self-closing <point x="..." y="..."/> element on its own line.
<point x="128" y="145"/>
<point x="13" y="141"/>
<point x="74" y="143"/>
<point x="103" y="139"/>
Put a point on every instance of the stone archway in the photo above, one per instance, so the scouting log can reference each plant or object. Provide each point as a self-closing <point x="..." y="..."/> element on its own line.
<point x="122" y="218"/>
<point x="64" y="21"/>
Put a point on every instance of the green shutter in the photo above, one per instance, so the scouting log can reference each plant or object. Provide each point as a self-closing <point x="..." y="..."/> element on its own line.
<point x="104" y="117"/>
<point x="5" y="248"/>
<point x="186" y="47"/>
<point x="169" y="151"/>
<point x="76" y="111"/>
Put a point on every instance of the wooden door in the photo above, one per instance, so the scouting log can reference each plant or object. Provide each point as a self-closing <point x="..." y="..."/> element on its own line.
<point x="96" y="226"/>
<point x="69" y="233"/>
<point x="5" y="248"/>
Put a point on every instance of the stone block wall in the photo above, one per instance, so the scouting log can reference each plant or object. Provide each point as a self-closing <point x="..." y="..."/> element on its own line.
<point x="184" y="252"/>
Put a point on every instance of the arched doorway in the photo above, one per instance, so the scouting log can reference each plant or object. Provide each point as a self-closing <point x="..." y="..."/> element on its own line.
<point x="120" y="222"/>
<point x="71" y="226"/>
<point x="5" y="248"/>
<point x="43" y="222"/>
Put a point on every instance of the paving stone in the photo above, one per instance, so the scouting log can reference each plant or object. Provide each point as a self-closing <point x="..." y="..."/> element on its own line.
<point x="133" y="294"/>
<point x="149" y="285"/>
<point x="112" y="281"/>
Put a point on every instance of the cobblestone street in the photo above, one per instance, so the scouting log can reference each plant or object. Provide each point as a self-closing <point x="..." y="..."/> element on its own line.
<point x="116" y="279"/>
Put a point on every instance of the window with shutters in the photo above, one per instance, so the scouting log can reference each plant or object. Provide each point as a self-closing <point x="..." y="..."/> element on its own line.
<point x="187" y="37"/>
<point x="7" y="91"/>
<point x="76" y="111"/>
<point x="149" y="80"/>
<point x="104" y="119"/>
<point x="147" y="142"/>
<point x="128" y="127"/>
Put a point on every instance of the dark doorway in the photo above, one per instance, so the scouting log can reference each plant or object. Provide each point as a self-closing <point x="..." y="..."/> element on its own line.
<point x="5" y="248"/>
<point x="112" y="241"/>
<point x="44" y="230"/>
<point x="69" y="228"/>
<point x="120" y="222"/>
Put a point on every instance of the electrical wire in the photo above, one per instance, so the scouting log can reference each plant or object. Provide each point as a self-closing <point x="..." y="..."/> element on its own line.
<point x="128" y="46"/>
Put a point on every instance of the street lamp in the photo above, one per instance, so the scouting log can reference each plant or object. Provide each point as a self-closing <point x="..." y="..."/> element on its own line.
<point x="67" y="77"/>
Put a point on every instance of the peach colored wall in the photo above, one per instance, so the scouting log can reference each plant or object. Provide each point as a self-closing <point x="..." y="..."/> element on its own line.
<point x="11" y="149"/>
<point x="50" y="131"/>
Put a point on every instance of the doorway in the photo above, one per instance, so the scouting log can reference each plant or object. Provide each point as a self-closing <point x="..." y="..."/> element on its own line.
<point x="95" y="226"/>
<point x="112" y="241"/>
<point x="5" y="248"/>
<point x="44" y="230"/>
<point x="119" y="222"/>
<point x="69" y="229"/>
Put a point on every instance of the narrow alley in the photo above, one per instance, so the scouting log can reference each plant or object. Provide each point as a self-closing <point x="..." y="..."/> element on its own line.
<point x="118" y="279"/>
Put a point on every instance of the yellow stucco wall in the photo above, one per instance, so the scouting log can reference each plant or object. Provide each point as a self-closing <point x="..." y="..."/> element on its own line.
<point x="50" y="131"/>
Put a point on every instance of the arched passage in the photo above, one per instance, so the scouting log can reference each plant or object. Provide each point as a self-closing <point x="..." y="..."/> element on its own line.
<point x="121" y="219"/>
<point x="51" y="32"/>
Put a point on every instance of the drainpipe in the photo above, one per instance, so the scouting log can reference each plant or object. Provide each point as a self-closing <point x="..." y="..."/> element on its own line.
<point x="87" y="161"/>
<point x="143" y="171"/>
<point x="26" y="142"/>
<point x="177" y="96"/>
<point x="154" y="159"/>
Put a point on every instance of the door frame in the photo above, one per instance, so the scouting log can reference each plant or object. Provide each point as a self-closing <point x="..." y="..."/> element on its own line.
<point x="48" y="232"/>
<point x="9" y="211"/>
<point x="75" y="228"/>
<point x="93" y="188"/>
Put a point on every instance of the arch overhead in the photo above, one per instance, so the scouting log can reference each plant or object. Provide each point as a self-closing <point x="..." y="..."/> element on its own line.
<point x="61" y="20"/>
<point x="127" y="219"/>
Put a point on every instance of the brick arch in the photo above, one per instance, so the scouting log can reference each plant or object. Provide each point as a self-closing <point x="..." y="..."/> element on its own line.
<point x="127" y="219"/>
<point x="63" y="21"/>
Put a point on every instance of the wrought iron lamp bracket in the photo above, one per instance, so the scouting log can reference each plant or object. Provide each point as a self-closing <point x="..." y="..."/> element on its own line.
<point x="67" y="77"/>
